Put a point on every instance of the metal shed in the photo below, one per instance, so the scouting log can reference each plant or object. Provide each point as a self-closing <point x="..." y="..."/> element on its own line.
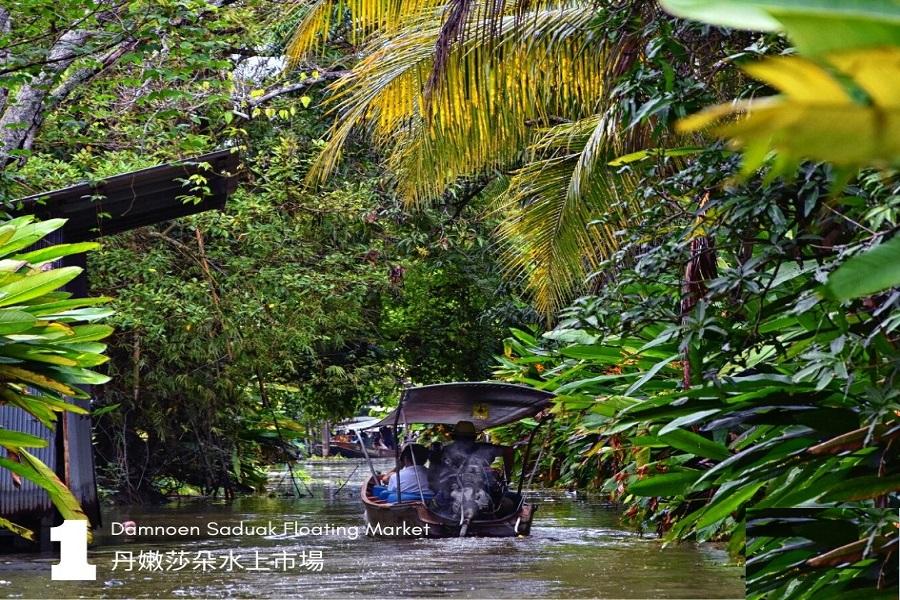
<point x="93" y="210"/>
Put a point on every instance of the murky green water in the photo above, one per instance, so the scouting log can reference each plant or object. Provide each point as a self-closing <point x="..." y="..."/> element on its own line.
<point x="577" y="549"/>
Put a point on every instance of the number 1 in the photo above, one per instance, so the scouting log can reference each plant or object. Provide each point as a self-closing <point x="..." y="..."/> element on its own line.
<point x="73" y="564"/>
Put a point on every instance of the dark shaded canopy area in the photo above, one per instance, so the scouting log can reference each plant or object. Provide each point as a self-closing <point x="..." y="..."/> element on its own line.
<point x="136" y="199"/>
<point x="486" y="404"/>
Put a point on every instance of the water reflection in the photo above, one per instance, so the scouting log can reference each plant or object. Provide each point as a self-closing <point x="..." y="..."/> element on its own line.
<point x="577" y="549"/>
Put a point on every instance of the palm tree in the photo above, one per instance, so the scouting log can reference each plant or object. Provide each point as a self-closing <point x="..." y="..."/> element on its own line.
<point x="520" y="91"/>
<point x="517" y="92"/>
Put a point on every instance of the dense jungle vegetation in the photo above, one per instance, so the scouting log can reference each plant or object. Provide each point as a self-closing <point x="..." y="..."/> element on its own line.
<point x="330" y="297"/>
<point x="681" y="216"/>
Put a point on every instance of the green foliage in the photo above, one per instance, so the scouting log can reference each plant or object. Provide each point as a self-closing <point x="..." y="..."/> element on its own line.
<point x="863" y="275"/>
<point x="821" y="553"/>
<point x="307" y="290"/>
<point x="448" y="320"/>
<point x="711" y="374"/>
<point x="791" y="400"/>
<point x="737" y="347"/>
<point x="48" y="344"/>
<point x="323" y="295"/>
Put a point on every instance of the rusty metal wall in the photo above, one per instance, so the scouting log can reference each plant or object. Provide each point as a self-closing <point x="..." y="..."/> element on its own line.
<point x="27" y="502"/>
<point x="80" y="475"/>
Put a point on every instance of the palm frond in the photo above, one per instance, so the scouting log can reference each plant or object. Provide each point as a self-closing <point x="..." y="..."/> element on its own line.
<point x="562" y="209"/>
<point x="364" y="18"/>
<point x="479" y="89"/>
<point x="495" y="93"/>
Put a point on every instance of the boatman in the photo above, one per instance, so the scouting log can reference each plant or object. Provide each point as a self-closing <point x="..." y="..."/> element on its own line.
<point x="466" y="450"/>
<point x="466" y="463"/>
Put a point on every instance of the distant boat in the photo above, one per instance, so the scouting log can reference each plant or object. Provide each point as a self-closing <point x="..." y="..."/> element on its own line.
<point x="352" y="450"/>
<point x="486" y="405"/>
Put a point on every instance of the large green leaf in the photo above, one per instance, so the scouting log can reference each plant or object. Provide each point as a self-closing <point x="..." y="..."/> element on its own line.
<point x="56" y="404"/>
<point x="867" y="273"/>
<point x="86" y="333"/>
<point x="863" y="488"/>
<point x="674" y="483"/>
<point x="78" y="376"/>
<point x="28" y="232"/>
<point x="15" y="321"/>
<point x="54" y="252"/>
<point x="727" y="501"/>
<point x="17" y="439"/>
<point x="734" y="13"/>
<point x="36" y="284"/>
<point x="63" y="306"/>
<point x="651" y="373"/>
<point x="27" y="352"/>
<point x="688" y="441"/>
<point x="86" y="315"/>
<point x="30" y="404"/>
<point x="600" y="354"/>
<point x="688" y="420"/>
<point x="6" y="233"/>
<point x="814" y="26"/>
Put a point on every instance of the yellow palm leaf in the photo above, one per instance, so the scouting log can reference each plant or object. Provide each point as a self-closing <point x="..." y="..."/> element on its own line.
<point x="561" y="210"/>
<point x="495" y="93"/>
<point x="366" y="18"/>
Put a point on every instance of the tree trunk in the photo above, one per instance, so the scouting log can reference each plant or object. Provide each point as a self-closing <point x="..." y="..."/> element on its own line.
<point x="4" y="54"/>
<point x="23" y="111"/>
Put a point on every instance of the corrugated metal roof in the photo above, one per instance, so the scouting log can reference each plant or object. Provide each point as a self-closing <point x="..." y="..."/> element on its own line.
<point x="135" y="199"/>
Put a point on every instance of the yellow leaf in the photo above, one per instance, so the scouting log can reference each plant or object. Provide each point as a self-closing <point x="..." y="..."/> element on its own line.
<point x="19" y="374"/>
<point x="877" y="71"/>
<point x="709" y="115"/>
<point x="17" y="529"/>
<point x="800" y="79"/>
<point x="816" y="118"/>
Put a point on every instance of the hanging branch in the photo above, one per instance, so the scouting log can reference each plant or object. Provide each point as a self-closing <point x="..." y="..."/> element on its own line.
<point x="264" y="396"/>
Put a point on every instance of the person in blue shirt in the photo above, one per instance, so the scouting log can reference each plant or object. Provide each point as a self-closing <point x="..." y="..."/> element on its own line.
<point x="413" y="476"/>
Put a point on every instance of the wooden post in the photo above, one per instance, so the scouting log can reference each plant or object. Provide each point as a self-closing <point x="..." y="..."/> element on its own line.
<point x="326" y="439"/>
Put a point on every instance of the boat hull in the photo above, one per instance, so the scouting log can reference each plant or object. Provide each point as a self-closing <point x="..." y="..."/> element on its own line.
<point x="415" y="519"/>
<point x="350" y="450"/>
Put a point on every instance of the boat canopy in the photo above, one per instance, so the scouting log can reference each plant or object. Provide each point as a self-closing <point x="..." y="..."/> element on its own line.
<point x="486" y="404"/>
<point x="359" y="423"/>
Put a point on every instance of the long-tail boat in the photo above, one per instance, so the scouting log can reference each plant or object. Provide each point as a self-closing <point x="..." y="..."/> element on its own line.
<point x="486" y="405"/>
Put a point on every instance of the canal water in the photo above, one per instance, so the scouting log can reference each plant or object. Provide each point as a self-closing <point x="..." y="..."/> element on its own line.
<point x="577" y="548"/>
